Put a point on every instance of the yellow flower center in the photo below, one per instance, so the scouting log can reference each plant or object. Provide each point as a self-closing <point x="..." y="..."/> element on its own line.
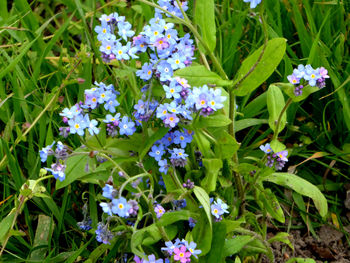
<point x="181" y="255"/>
<point x="313" y="76"/>
<point x="171" y="118"/>
<point x="172" y="90"/>
<point x="156" y="33"/>
<point x="149" y="72"/>
<point x="164" y="111"/>
<point x="121" y="206"/>
<point x="104" y="31"/>
<point x="93" y="99"/>
<point x="108" y="47"/>
<point x="120" y="52"/>
<point x="177" y="61"/>
<point x="202" y="102"/>
<point x="215" y="211"/>
<point x="77" y="126"/>
<point x="182" y="138"/>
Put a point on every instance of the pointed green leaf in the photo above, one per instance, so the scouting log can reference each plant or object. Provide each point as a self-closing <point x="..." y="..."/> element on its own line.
<point x="271" y="58"/>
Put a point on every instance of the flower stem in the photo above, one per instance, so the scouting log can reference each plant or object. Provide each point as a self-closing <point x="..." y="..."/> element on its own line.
<point x="275" y="134"/>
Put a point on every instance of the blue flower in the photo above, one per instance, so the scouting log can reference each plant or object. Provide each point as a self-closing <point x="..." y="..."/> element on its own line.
<point x="112" y="119"/>
<point x="163" y="166"/>
<point x="171" y="120"/>
<point x="311" y="75"/>
<point x="103" y="234"/>
<point x="165" y="71"/>
<point x="124" y="30"/>
<point x="176" y="61"/>
<point x="253" y="3"/>
<point x="152" y="259"/>
<point x="77" y="125"/>
<point x="70" y="113"/>
<point x="162" y="111"/>
<point x="107" y="208"/>
<point x="57" y="170"/>
<point x="126" y="127"/>
<point x="182" y="138"/>
<point x="192" y="248"/>
<point x="157" y="152"/>
<point x="178" y="154"/>
<point x="120" y="207"/>
<point x="121" y="52"/>
<point x="266" y="148"/>
<point x="146" y="72"/>
<point x="45" y="152"/>
<point x="172" y="91"/>
<point x="140" y="107"/>
<point x="111" y="104"/>
<point x="109" y="192"/>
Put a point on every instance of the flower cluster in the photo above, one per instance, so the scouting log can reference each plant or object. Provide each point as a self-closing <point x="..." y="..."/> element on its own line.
<point x="218" y="208"/>
<point x="79" y="121"/>
<point x="181" y="251"/>
<point x="277" y="160"/>
<point x="162" y="149"/>
<point x="112" y="46"/>
<point x="117" y="206"/>
<point x="61" y="154"/>
<point x="304" y="75"/>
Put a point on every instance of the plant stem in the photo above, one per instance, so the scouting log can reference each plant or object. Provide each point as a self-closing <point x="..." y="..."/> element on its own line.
<point x="275" y="134"/>
<point x="160" y="228"/>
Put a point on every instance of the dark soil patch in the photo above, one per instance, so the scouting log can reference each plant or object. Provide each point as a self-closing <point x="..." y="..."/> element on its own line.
<point x="331" y="247"/>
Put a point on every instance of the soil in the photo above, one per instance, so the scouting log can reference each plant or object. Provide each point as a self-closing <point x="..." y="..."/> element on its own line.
<point x="331" y="246"/>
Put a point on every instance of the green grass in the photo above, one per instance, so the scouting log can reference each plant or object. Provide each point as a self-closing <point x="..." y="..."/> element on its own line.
<point x="45" y="46"/>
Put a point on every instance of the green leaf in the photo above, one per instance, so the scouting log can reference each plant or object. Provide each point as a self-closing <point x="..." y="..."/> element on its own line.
<point x="172" y="217"/>
<point x="217" y="244"/>
<point x="275" y="104"/>
<point x="232" y="225"/>
<point x="203" y="198"/>
<point x="5" y="225"/>
<point x="234" y="245"/>
<point x="212" y="168"/>
<point x="271" y="58"/>
<point x="301" y="260"/>
<point x="203" y="143"/>
<point x="302" y="187"/>
<point x="226" y="145"/>
<point x="246" y="123"/>
<point x="43" y="231"/>
<point x="205" y="18"/>
<point x="298" y="199"/>
<point x="75" y="170"/>
<point x="199" y="76"/>
<point x="216" y="120"/>
<point x="277" y="146"/>
<point x="272" y="205"/>
<point x="202" y="234"/>
<point x="281" y="237"/>
<point x="288" y="89"/>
